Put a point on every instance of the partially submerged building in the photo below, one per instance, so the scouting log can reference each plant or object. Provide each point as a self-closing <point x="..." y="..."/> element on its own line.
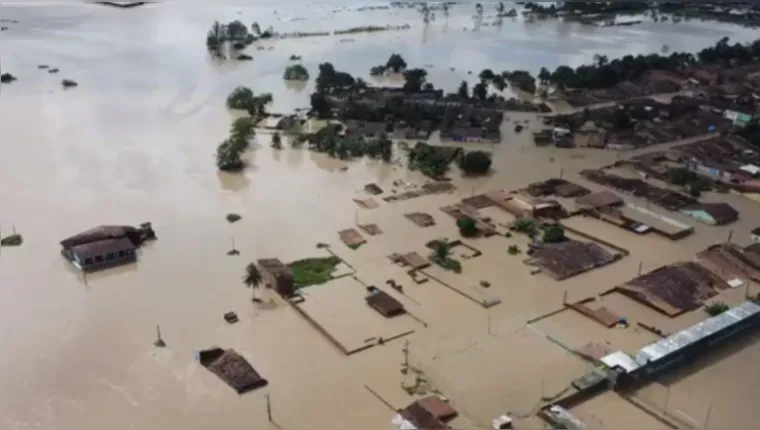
<point x="570" y="258"/>
<point x="712" y="213"/>
<point x="277" y="275"/>
<point x="232" y="368"/>
<point x="105" y="246"/>
<point x="674" y="289"/>
<point x="384" y="303"/>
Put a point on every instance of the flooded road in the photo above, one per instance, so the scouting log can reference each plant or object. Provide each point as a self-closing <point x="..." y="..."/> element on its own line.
<point x="135" y="142"/>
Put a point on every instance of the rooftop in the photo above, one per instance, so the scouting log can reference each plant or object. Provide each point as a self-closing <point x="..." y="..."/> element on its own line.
<point x="570" y="258"/>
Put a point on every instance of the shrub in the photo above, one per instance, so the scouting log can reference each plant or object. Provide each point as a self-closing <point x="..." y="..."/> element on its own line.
<point x="475" y="163"/>
<point x="524" y="225"/>
<point x="231" y="218"/>
<point x="296" y="72"/>
<point x="716" y="308"/>
<point x="554" y="234"/>
<point x="467" y="227"/>
<point x="513" y="250"/>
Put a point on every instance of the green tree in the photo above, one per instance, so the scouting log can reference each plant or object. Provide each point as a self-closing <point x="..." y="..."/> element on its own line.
<point x="276" y="140"/>
<point x="467" y="227"/>
<point x="463" y="90"/>
<point x="544" y="76"/>
<point x="499" y="83"/>
<point x="697" y="186"/>
<point x="441" y="250"/>
<point x="228" y="157"/>
<point x="242" y="130"/>
<point x="296" y="72"/>
<point x="252" y="278"/>
<point x="475" y="163"/>
<point x="554" y="234"/>
<point x="524" y="225"/>
<point x="681" y="176"/>
<point x="486" y="75"/>
<point x="240" y="98"/>
<point x="480" y="91"/>
<point x="396" y="63"/>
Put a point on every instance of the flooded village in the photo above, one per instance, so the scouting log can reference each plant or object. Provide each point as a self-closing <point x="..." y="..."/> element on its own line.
<point x="416" y="228"/>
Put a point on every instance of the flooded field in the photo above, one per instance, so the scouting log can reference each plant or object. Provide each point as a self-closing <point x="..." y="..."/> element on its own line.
<point x="134" y="142"/>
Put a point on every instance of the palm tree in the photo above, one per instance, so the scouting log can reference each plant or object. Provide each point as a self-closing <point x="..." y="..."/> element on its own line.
<point x="252" y="278"/>
<point x="600" y="60"/>
<point x="442" y="250"/>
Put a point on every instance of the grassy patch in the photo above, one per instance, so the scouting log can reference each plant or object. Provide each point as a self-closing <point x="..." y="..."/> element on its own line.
<point x="313" y="271"/>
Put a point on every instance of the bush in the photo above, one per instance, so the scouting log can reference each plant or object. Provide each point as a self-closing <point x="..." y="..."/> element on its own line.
<point x="276" y="140"/>
<point x="231" y="218"/>
<point x="467" y="227"/>
<point x="524" y="225"/>
<point x="475" y="163"/>
<point x="296" y="72"/>
<point x="554" y="234"/>
<point x="12" y="240"/>
<point x="513" y="250"/>
<point x="681" y="176"/>
<point x="240" y="98"/>
<point x="716" y="308"/>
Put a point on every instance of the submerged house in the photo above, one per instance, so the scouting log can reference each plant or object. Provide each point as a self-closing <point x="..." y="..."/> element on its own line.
<point x="105" y="246"/>
<point x="712" y="213"/>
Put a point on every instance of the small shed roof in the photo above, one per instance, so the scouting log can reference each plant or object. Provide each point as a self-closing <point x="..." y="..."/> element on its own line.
<point x="384" y="303"/>
<point x="438" y="407"/>
<point x="722" y="213"/>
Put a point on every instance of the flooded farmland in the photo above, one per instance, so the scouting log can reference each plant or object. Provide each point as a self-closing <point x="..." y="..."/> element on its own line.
<point x="134" y="142"/>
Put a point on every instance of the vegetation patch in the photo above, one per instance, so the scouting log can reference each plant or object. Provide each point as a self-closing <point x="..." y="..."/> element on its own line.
<point x="716" y="308"/>
<point x="432" y="161"/>
<point x="475" y="163"/>
<point x="231" y="218"/>
<point x="296" y="72"/>
<point x="12" y="240"/>
<point x="467" y="227"/>
<point x="313" y="271"/>
<point x="442" y="255"/>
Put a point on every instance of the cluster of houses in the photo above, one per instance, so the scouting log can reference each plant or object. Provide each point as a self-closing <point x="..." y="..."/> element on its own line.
<point x="637" y="123"/>
<point x="720" y="100"/>
<point x="733" y="82"/>
<point x="402" y="115"/>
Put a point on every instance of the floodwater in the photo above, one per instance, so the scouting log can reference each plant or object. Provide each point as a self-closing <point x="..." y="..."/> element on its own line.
<point x="135" y="142"/>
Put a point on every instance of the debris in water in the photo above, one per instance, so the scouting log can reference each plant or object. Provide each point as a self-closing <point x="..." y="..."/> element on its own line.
<point x="43" y="66"/>
<point x="12" y="240"/>
<point x="231" y="317"/>
<point x="159" y="343"/>
<point x="244" y="57"/>
<point x="7" y="78"/>
<point x="232" y="217"/>
<point x="53" y="71"/>
<point x="68" y="83"/>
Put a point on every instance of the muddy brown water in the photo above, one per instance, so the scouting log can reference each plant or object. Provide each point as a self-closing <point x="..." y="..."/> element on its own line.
<point x="135" y="142"/>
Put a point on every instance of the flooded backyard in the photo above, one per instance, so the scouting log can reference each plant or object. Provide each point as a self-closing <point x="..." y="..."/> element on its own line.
<point x="134" y="142"/>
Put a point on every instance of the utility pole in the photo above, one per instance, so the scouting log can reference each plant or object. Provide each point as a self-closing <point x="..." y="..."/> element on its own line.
<point x="730" y="235"/>
<point x="667" y="400"/>
<point x="356" y="217"/>
<point x="641" y="267"/>
<point x="159" y="343"/>
<point x="489" y="324"/>
<point x="406" y="357"/>
<point x="269" y="409"/>
<point x="564" y="298"/>
<point x="707" y="418"/>
<point x="561" y="172"/>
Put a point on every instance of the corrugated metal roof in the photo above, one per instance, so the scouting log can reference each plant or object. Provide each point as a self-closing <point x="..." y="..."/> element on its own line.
<point x="620" y="358"/>
<point x="701" y="330"/>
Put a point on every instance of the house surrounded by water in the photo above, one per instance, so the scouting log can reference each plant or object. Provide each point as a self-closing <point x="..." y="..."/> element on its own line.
<point x="105" y="246"/>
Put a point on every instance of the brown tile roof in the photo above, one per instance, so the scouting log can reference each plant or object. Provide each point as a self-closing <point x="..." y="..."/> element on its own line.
<point x="599" y="200"/>
<point x="674" y="289"/>
<point x="385" y="304"/>
<point x="98" y="233"/>
<point x="232" y="368"/>
<point x="421" y="418"/>
<point x="438" y="407"/>
<point x="570" y="258"/>
<point x="102" y="247"/>
<point x="722" y="213"/>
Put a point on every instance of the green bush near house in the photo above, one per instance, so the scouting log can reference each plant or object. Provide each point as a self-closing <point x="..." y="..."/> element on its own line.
<point x="313" y="271"/>
<point x="716" y="308"/>
<point x="467" y="227"/>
